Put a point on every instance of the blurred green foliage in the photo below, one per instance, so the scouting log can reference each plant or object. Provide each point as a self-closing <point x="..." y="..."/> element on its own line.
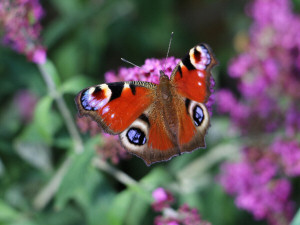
<point x="84" y="40"/>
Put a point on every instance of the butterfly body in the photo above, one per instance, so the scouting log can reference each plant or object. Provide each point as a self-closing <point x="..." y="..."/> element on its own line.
<point x="156" y="121"/>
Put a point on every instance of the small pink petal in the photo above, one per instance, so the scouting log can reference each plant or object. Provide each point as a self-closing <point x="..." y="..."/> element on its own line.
<point x="39" y="56"/>
<point x="160" y="194"/>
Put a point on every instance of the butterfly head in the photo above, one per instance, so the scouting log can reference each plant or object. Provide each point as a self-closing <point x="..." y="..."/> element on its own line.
<point x="163" y="76"/>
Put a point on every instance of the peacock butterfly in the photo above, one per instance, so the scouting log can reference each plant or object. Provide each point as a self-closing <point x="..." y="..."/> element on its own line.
<point x="156" y="121"/>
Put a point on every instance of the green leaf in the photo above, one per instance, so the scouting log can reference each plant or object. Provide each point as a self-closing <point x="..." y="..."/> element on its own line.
<point x="128" y="207"/>
<point x="50" y="69"/>
<point x="67" y="216"/>
<point x="137" y="211"/>
<point x="157" y="177"/>
<point x="7" y="213"/>
<point x="24" y="221"/>
<point x="131" y="205"/>
<point x="296" y="220"/>
<point x="75" y="84"/>
<point x="2" y="168"/>
<point x="119" y="208"/>
<point x="46" y="120"/>
<point x="195" y="174"/>
<point x="37" y="154"/>
<point x="31" y="134"/>
<point x="32" y="146"/>
<point x="9" y="120"/>
<point x="80" y="175"/>
<point x="99" y="210"/>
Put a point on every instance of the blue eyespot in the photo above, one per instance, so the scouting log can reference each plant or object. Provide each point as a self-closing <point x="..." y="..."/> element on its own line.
<point x="136" y="136"/>
<point x="198" y="115"/>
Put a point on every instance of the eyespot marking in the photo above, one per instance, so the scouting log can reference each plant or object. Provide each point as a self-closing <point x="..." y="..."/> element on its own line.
<point x="90" y="100"/>
<point x="198" y="115"/>
<point x="136" y="136"/>
<point x="200" y="57"/>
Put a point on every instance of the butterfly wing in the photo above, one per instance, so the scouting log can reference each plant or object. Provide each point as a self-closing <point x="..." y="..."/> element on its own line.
<point x="148" y="137"/>
<point x="115" y="105"/>
<point x="131" y="110"/>
<point x="191" y="77"/>
<point x="191" y="81"/>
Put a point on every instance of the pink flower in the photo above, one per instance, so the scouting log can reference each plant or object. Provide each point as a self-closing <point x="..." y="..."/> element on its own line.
<point x="110" y="149"/>
<point x="185" y="215"/>
<point x="39" y="56"/>
<point x="267" y="73"/>
<point x="150" y="71"/>
<point x="162" y="199"/>
<point x="160" y="195"/>
<point x="20" y="20"/>
<point x="256" y="183"/>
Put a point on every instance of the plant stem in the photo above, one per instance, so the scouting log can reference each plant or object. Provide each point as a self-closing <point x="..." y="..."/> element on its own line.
<point x="117" y="174"/>
<point x="46" y="194"/>
<point x="195" y="174"/>
<point x="62" y="107"/>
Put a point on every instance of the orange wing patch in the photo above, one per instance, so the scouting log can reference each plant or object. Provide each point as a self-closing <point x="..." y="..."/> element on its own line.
<point x="192" y="84"/>
<point x="187" y="129"/>
<point x="192" y="75"/>
<point x="158" y="136"/>
<point x="115" y="106"/>
<point x="119" y="113"/>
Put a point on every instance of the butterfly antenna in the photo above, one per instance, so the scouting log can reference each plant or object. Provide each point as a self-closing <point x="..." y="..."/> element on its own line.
<point x="168" y="49"/>
<point x="124" y="60"/>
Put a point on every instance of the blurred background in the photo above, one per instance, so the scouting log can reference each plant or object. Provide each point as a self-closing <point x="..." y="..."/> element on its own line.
<point x="248" y="174"/>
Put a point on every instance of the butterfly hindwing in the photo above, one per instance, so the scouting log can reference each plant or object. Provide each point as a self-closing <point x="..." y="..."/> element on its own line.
<point x="115" y="105"/>
<point x="148" y="137"/>
<point x="193" y="126"/>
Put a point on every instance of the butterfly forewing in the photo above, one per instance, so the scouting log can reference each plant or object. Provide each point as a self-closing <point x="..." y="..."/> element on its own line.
<point x="115" y="105"/>
<point x="191" y="77"/>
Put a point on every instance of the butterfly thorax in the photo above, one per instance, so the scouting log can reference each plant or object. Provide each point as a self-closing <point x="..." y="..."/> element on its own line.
<point x="168" y="99"/>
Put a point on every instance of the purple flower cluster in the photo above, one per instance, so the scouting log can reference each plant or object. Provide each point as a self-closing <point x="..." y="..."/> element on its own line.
<point x="257" y="182"/>
<point x="268" y="71"/>
<point x="183" y="216"/>
<point x="149" y="72"/>
<point x="267" y="112"/>
<point x="162" y="199"/>
<point x="87" y="125"/>
<point x="19" y="20"/>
